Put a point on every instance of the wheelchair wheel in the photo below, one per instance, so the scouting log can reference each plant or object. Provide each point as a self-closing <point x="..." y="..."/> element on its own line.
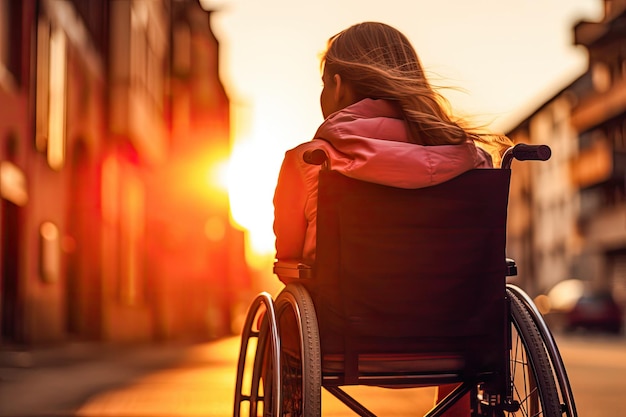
<point x="531" y="375"/>
<point x="258" y="378"/>
<point x="300" y="358"/>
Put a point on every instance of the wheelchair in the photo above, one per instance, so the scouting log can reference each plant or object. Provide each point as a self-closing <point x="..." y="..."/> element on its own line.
<point x="408" y="290"/>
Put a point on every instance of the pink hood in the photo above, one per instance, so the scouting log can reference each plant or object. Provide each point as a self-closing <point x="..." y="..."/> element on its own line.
<point x="369" y="142"/>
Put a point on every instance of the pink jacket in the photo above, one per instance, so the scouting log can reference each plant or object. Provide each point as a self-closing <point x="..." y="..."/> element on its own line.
<point x="367" y="141"/>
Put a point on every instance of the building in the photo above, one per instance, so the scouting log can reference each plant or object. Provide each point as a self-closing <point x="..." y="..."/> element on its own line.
<point x="568" y="216"/>
<point x="190" y="230"/>
<point x="91" y="95"/>
<point x="52" y="134"/>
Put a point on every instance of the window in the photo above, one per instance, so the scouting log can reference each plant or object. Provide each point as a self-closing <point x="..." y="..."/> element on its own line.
<point x="58" y="87"/>
<point x="9" y="45"/>
<point x="601" y="77"/>
<point x="123" y="213"/>
<point x="50" y="252"/>
<point x="132" y="212"/>
<point x="4" y="33"/>
<point x="51" y="88"/>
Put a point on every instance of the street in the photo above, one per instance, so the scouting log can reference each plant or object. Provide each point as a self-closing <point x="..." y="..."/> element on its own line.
<point x="203" y="385"/>
<point x="596" y="366"/>
<point x="199" y="381"/>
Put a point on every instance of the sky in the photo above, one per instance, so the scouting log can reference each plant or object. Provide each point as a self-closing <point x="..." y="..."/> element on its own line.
<point x="500" y="58"/>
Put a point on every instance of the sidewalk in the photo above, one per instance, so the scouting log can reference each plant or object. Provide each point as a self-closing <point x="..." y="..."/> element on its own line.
<point x="156" y="381"/>
<point x="101" y="380"/>
<point x="202" y="383"/>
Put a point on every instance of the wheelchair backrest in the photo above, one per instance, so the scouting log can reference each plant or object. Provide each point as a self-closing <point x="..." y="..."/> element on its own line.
<point x="402" y="270"/>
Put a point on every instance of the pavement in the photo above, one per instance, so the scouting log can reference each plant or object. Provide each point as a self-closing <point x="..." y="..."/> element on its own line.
<point x="188" y="380"/>
<point x="93" y="380"/>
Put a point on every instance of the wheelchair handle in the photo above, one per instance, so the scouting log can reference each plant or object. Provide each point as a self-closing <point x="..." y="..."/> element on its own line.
<point x="525" y="152"/>
<point x="315" y="157"/>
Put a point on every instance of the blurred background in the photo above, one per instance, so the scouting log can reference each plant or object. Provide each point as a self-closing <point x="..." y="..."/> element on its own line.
<point x="140" y="142"/>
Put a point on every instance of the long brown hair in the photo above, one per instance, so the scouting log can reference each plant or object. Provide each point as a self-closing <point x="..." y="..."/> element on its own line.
<point x="379" y="62"/>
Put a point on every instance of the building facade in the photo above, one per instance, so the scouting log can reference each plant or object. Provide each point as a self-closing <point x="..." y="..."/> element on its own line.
<point x="568" y="216"/>
<point x="89" y="137"/>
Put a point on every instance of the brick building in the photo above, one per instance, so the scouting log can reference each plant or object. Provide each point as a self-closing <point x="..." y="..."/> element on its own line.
<point x="568" y="216"/>
<point x="99" y="227"/>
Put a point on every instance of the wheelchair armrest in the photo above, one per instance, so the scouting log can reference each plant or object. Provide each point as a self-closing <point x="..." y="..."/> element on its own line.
<point x="511" y="267"/>
<point x="290" y="270"/>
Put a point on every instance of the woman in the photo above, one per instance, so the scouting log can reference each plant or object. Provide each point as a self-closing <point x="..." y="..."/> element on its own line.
<point x="384" y="123"/>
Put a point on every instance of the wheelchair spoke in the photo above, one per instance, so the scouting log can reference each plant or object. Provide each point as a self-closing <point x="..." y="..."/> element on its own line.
<point x="292" y="385"/>
<point x="532" y="382"/>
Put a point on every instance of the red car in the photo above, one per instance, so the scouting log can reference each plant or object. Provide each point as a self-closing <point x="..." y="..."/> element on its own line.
<point x="596" y="312"/>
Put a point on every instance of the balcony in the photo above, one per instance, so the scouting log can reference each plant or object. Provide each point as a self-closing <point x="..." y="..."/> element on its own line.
<point x="598" y="164"/>
<point x="598" y="108"/>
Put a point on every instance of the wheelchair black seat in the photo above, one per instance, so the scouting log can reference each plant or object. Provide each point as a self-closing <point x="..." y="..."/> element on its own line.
<point x="401" y="270"/>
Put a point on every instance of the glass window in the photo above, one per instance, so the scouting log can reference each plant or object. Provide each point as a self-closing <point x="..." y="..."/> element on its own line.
<point x="58" y="94"/>
<point x="5" y="41"/>
<point x="10" y="43"/>
<point x="601" y="77"/>
<point x="51" y="88"/>
<point x="42" y="90"/>
<point x="50" y="252"/>
<point x="132" y="211"/>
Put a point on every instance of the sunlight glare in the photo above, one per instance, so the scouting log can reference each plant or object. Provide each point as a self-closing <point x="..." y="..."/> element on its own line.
<point x="252" y="175"/>
<point x="218" y="174"/>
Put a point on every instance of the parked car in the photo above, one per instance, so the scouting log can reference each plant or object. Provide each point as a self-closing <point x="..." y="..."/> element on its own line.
<point x="596" y="312"/>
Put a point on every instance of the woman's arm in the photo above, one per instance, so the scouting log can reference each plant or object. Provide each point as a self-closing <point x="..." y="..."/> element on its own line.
<point x="290" y="196"/>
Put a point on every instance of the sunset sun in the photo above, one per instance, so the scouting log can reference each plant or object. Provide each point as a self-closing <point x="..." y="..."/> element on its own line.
<point x="252" y="175"/>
